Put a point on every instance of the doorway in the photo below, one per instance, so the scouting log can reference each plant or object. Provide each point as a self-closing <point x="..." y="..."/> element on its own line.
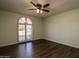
<point x="24" y="29"/>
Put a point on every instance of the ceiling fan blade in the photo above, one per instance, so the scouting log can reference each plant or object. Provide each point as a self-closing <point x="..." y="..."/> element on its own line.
<point x="32" y="9"/>
<point x="45" y="10"/>
<point x="46" y="5"/>
<point x="33" y="3"/>
<point x="36" y="5"/>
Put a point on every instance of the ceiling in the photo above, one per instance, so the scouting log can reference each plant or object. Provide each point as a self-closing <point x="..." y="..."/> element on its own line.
<point x="22" y="6"/>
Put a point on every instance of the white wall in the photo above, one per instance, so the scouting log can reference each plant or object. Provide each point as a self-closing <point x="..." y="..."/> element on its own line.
<point x="8" y="27"/>
<point x="63" y="28"/>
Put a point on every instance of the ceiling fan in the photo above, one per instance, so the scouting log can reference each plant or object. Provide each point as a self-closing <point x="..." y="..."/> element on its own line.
<point x="39" y="7"/>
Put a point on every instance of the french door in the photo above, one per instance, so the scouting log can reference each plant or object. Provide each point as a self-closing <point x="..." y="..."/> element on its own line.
<point x="24" y="30"/>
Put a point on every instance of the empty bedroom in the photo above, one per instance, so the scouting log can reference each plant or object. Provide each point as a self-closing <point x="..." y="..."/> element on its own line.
<point x="39" y="28"/>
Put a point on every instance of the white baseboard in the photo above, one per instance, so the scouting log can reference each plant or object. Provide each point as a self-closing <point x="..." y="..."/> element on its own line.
<point x="11" y="43"/>
<point x="3" y="45"/>
<point x="64" y="44"/>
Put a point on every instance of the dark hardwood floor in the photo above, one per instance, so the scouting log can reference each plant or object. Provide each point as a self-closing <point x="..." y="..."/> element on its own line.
<point x="39" y="49"/>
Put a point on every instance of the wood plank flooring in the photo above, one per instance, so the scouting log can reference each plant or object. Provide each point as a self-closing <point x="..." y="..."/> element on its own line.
<point x="39" y="49"/>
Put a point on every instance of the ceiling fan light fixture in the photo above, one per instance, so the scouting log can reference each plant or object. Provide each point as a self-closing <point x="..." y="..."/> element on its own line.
<point x="41" y="11"/>
<point x="39" y="7"/>
<point x="38" y="11"/>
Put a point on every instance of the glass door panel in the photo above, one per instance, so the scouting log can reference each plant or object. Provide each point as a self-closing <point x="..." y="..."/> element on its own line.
<point x="21" y="32"/>
<point x="28" y="32"/>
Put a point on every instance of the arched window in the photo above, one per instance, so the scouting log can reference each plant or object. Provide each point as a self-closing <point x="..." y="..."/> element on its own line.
<point x="24" y="29"/>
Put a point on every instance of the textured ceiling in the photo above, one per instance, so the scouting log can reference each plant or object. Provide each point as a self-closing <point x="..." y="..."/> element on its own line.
<point x="21" y="6"/>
